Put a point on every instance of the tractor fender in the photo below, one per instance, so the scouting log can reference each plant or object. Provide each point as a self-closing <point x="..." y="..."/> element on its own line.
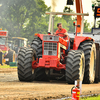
<point x="80" y="39"/>
<point x="40" y="36"/>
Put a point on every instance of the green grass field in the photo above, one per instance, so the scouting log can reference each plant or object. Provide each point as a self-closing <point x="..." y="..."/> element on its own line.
<point x="91" y="98"/>
<point x="7" y="66"/>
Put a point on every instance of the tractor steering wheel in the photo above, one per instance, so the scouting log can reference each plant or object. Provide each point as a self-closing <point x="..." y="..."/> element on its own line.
<point x="62" y="34"/>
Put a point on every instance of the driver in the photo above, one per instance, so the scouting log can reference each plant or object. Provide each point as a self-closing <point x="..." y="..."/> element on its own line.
<point x="61" y="31"/>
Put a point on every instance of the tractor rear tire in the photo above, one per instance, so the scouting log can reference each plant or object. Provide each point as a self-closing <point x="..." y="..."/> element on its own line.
<point x="25" y="58"/>
<point x="90" y="60"/>
<point x="11" y="56"/>
<point x="40" y="74"/>
<point x="75" y="65"/>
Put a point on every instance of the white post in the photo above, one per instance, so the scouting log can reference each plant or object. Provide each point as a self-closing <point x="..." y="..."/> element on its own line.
<point x="82" y="25"/>
<point x="52" y="27"/>
<point x="49" y="27"/>
<point x="80" y="87"/>
<point x="75" y="83"/>
<point x="78" y="83"/>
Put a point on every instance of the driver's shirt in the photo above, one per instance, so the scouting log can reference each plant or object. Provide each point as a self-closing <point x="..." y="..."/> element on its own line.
<point x="62" y="31"/>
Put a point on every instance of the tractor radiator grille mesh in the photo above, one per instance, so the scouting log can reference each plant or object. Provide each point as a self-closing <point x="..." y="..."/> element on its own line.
<point x="50" y="48"/>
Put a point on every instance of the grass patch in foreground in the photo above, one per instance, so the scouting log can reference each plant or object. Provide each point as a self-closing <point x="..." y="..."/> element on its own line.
<point x="87" y="98"/>
<point x="7" y="66"/>
<point x="91" y="98"/>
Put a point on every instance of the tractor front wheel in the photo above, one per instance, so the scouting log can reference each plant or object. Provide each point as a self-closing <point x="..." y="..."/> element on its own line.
<point x="75" y="65"/>
<point x="25" y="58"/>
<point x="40" y="74"/>
<point x="90" y="60"/>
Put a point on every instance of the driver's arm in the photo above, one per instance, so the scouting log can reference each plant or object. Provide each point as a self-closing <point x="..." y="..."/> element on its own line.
<point x="54" y="33"/>
<point x="66" y="33"/>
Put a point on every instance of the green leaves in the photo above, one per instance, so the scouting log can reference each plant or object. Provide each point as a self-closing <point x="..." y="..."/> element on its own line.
<point x="86" y="26"/>
<point x="23" y="18"/>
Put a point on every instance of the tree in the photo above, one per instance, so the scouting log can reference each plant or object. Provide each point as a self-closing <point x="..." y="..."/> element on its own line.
<point x="22" y="17"/>
<point x="96" y="3"/>
<point x="60" y="20"/>
<point x="69" y="20"/>
<point x="86" y="26"/>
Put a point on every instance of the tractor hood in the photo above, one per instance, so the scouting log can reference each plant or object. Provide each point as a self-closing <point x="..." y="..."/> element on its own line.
<point x="51" y="38"/>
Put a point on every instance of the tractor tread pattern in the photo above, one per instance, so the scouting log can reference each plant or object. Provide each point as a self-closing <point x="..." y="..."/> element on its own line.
<point x="73" y="65"/>
<point x="86" y="47"/>
<point x="39" y="73"/>
<point x="25" y="64"/>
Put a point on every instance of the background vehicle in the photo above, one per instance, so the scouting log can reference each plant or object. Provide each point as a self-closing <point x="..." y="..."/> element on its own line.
<point x="10" y="44"/>
<point x="18" y="42"/>
<point x="7" y="54"/>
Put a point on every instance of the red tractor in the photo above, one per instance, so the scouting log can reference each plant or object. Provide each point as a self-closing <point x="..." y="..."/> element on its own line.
<point x="47" y="57"/>
<point x="7" y="55"/>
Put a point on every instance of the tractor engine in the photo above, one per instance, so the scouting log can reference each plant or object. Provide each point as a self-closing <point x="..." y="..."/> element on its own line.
<point x="50" y="45"/>
<point x="53" y="53"/>
<point x="54" y="46"/>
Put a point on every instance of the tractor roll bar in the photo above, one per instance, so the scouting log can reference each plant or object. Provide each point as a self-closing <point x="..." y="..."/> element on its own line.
<point x="62" y="13"/>
<point x="70" y="14"/>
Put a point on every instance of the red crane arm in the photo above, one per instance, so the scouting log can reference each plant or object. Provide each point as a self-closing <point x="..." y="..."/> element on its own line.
<point x="79" y="9"/>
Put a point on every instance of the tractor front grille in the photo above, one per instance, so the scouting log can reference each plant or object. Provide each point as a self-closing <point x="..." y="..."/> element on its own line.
<point x="50" y="48"/>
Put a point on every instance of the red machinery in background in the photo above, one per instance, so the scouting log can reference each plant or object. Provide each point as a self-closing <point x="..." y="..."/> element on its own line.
<point x="7" y="54"/>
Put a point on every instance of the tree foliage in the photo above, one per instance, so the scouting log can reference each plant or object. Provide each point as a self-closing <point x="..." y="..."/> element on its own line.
<point x="23" y="18"/>
<point x="86" y="26"/>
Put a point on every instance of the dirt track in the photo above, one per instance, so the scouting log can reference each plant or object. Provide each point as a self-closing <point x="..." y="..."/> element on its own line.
<point x="12" y="89"/>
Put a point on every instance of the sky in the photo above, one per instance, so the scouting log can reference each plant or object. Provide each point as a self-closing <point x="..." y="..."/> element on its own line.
<point x="87" y="8"/>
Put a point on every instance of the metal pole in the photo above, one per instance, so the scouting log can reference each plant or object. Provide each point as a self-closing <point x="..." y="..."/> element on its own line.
<point x="82" y="25"/>
<point x="94" y="22"/>
<point x="78" y="83"/>
<point x="52" y="25"/>
<point x="49" y="27"/>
